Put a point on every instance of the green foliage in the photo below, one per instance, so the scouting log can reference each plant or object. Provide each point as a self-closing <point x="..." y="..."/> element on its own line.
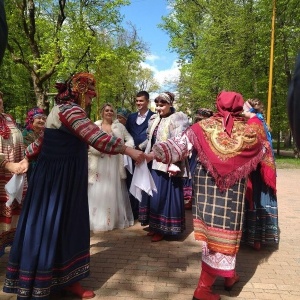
<point x="52" y="40"/>
<point x="226" y="45"/>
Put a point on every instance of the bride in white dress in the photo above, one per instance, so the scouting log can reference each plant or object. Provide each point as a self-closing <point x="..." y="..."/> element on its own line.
<point x="109" y="203"/>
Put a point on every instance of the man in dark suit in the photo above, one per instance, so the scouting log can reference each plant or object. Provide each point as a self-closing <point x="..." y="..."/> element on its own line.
<point x="137" y="124"/>
<point x="3" y="30"/>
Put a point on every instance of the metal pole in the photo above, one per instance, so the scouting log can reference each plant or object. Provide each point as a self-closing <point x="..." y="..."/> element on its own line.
<point x="271" y="65"/>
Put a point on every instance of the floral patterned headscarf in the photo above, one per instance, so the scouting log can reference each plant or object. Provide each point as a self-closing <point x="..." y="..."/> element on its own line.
<point x="31" y="115"/>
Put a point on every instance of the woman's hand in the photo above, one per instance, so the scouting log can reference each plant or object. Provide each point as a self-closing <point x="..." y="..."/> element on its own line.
<point x="137" y="155"/>
<point x="149" y="157"/>
<point x="13" y="167"/>
<point x="24" y="164"/>
<point x="16" y="168"/>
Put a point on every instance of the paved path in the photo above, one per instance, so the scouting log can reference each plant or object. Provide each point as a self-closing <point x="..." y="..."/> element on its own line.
<point x="125" y="265"/>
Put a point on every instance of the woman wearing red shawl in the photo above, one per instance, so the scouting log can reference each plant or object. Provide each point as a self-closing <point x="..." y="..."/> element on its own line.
<point x="51" y="249"/>
<point x="261" y="216"/>
<point x="227" y="150"/>
<point x="201" y="113"/>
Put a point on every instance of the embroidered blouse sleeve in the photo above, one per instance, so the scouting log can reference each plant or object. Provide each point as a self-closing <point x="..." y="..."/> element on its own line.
<point x="74" y="118"/>
<point x="34" y="148"/>
<point x="174" y="149"/>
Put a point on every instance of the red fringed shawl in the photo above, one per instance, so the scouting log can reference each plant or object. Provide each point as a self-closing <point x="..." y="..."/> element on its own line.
<point x="226" y="158"/>
<point x="267" y="164"/>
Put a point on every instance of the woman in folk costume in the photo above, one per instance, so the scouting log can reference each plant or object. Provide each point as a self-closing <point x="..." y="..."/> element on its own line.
<point x="11" y="152"/>
<point x="164" y="211"/>
<point x="109" y="203"/>
<point x="227" y="151"/>
<point x="51" y="250"/>
<point x="34" y="127"/>
<point x="261" y="217"/>
<point x="201" y="113"/>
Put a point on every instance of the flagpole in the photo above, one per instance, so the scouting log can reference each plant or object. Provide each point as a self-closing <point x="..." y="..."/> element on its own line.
<point x="271" y="64"/>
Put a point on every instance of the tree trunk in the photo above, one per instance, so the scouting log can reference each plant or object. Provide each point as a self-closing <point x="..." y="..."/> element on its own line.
<point x="40" y="94"/>
<point x="287" y="139"/>
<point x="278" y="143"/>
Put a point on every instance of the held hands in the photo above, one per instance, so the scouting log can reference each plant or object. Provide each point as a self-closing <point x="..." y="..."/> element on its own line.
<point x="24" y="165"/>
<point x="136" y="155"/>
<point x="13" y="167"/>
<point x="17" y="168"/>
<point x="149" y="157"/>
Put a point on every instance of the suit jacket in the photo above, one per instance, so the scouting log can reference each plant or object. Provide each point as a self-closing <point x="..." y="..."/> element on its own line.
<point x="138" y="132"/>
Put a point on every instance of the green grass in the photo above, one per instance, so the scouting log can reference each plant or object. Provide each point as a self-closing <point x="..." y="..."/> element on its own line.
<point x="285" y="162"/>
<point x="282" y="147"/>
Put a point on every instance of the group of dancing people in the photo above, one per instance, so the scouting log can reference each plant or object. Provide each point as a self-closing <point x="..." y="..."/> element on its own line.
<point x="224" y="160"/>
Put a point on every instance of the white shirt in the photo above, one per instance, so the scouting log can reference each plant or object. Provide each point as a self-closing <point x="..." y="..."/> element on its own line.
<point x="141" y="118"/>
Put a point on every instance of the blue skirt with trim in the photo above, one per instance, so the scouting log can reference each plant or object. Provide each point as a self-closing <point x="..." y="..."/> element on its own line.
<point x="52" y="241"/>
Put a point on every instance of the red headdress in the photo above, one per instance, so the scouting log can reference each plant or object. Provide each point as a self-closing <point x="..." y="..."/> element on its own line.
<point x="75" y="88"/>
<point x="226" y="146"/>
<point x="229" y="104"/>
<point x="31" y="115"/>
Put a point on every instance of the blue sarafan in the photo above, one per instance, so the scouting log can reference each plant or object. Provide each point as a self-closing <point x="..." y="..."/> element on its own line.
<point x="293" y="104"/>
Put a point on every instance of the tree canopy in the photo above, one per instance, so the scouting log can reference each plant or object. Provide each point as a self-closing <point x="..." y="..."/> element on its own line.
<point x="221" y="45"/>
<point x="49" y="40"/>
<point x="225" y="45"/>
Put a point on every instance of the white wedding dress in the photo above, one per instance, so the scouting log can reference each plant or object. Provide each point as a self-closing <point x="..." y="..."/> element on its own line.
<point x="109" y="203"/>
